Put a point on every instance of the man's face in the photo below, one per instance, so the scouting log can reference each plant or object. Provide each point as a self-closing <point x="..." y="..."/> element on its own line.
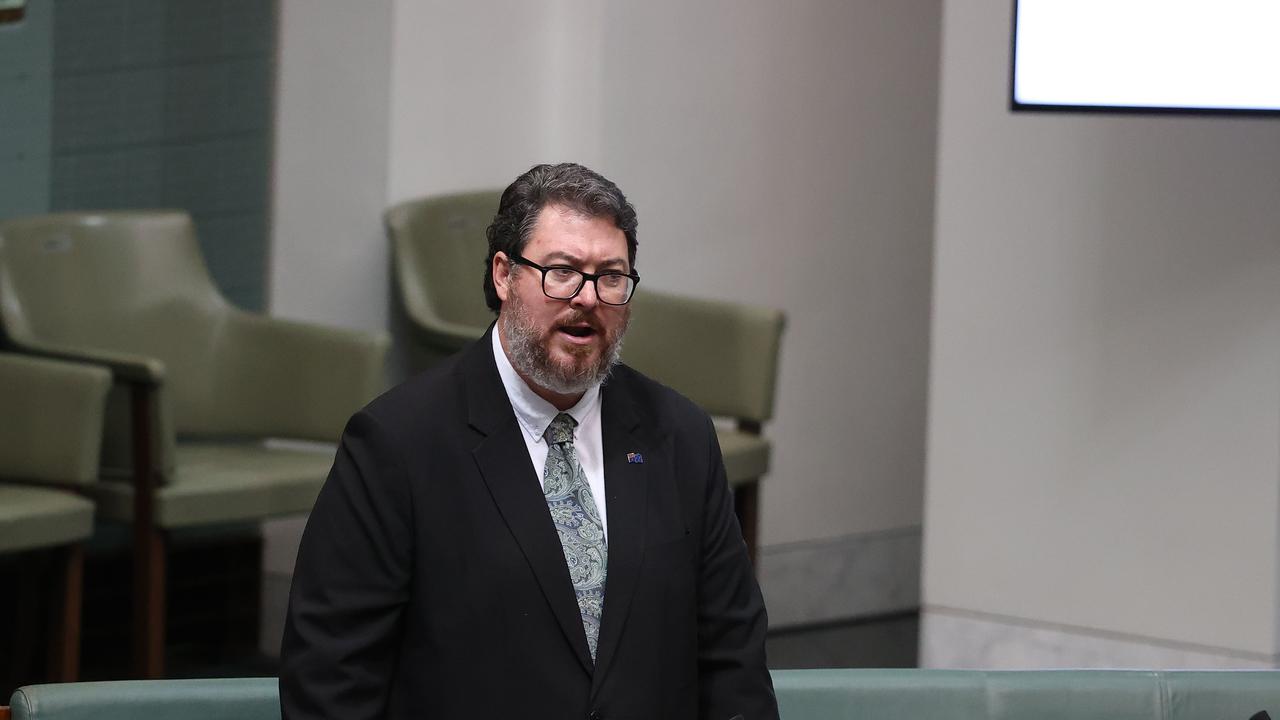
<point x="562" y="346"/>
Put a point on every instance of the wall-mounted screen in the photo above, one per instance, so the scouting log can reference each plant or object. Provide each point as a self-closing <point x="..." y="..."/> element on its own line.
<point x="1147" y="55"/>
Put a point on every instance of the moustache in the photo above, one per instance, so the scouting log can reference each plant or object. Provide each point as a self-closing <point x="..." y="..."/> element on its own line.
<point x="577" y="317"/>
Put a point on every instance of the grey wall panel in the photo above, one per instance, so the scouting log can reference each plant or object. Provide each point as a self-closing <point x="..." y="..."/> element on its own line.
<point x="168" y="103"/>
<point x="26" y="87"/>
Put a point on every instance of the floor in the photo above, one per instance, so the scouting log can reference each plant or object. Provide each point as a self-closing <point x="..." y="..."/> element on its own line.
<point x="886" y="642"/>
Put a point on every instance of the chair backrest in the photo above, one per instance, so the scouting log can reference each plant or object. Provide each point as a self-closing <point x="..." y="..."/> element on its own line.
<point x="439" y="248"/>
<point x="1014" y="695"/>
<point x="221" y="699"/>
<point x="130" y="282"/>
<point x="721" y="355"/>
<point x="52" y="421"/>
<point x="802" y="695"/>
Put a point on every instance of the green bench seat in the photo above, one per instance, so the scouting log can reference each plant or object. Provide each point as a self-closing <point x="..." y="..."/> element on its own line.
<point x="802" y="695"/>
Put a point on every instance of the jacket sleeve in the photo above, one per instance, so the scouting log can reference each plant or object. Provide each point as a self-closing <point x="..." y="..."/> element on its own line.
<point x="733" y="675"/>
<point x="350" y="584"/>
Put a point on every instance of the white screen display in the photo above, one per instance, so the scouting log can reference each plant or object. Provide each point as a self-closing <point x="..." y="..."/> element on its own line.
<point x="1193" y="54"/>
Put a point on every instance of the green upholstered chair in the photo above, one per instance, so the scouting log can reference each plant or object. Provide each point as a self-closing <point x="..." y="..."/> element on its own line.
<point x="51" y="416"/>
<point x="199" y="384"/>
<point x="723" y="356"/>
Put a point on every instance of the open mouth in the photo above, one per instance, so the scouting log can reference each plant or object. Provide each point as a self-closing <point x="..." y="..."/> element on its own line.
<point x="578" y="331"/>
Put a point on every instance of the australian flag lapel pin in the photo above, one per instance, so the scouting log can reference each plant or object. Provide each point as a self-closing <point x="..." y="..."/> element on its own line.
<point x="634" y="458"/>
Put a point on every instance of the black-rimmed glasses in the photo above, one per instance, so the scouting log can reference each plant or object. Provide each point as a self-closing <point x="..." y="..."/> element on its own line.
<point x="561" y="282"/>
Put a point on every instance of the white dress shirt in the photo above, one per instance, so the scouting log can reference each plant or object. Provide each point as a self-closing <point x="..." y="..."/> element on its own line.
<point x="534" y="415"/>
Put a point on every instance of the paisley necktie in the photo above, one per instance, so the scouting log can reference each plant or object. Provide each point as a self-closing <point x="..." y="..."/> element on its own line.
<point x="577" y="521"/>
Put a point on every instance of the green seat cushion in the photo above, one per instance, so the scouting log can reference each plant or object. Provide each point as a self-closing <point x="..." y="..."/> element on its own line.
<point x="32" y="517"/>
<point x="226" y="482"/>
<point x="746" y="456"/>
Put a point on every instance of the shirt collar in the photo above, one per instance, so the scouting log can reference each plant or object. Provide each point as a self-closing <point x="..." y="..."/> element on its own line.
<point x="533" y="412"/>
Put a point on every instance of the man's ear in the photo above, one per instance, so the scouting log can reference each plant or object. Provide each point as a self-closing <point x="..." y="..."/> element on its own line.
<point x="501" y="268"/>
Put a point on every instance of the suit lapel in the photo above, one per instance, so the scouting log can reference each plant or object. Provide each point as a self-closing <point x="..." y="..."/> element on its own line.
<point x="626" y="487"/>
<point x="503" y="461"/>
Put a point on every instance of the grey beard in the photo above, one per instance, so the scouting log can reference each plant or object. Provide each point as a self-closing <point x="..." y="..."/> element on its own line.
<point x="530" y="358"/>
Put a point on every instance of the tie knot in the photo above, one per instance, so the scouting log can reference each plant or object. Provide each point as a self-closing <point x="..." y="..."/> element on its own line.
<point x="561" y="429"/>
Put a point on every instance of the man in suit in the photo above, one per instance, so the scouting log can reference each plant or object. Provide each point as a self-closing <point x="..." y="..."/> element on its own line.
<point x="531" y="530"/>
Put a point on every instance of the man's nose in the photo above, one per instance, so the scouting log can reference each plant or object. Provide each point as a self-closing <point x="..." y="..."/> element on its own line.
<point x="586" y="298"/>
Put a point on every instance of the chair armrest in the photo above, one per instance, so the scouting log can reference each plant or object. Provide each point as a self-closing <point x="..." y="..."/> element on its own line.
<point x="118" y="447"/>
<point x="124" y="367"/>
<point x="281" y="378"/>
<point x="51" y="426"/>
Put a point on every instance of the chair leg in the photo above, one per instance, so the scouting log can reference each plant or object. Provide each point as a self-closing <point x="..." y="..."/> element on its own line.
<point x="746" y="501"/>
<point x="148" y="547"/>
<point x="149" y="606"/>
<point x="64" y="647"/>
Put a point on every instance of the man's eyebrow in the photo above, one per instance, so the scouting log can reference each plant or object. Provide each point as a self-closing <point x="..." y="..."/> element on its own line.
<point x="575" y="261"/>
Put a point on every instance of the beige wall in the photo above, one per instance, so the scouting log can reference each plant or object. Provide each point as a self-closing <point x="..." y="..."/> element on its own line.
<point x="328" y="254"/>
<point x="778" y="153"/>
<point x="782" y="154"/>
<point x="1104" y="426"/>
<point x="481" y="91"/>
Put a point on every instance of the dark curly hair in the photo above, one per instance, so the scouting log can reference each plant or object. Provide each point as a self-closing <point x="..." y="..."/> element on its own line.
<point x="567" y="184"/>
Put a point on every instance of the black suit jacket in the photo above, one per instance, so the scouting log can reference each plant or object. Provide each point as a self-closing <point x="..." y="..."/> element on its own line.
<point x="430" y="582"/>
